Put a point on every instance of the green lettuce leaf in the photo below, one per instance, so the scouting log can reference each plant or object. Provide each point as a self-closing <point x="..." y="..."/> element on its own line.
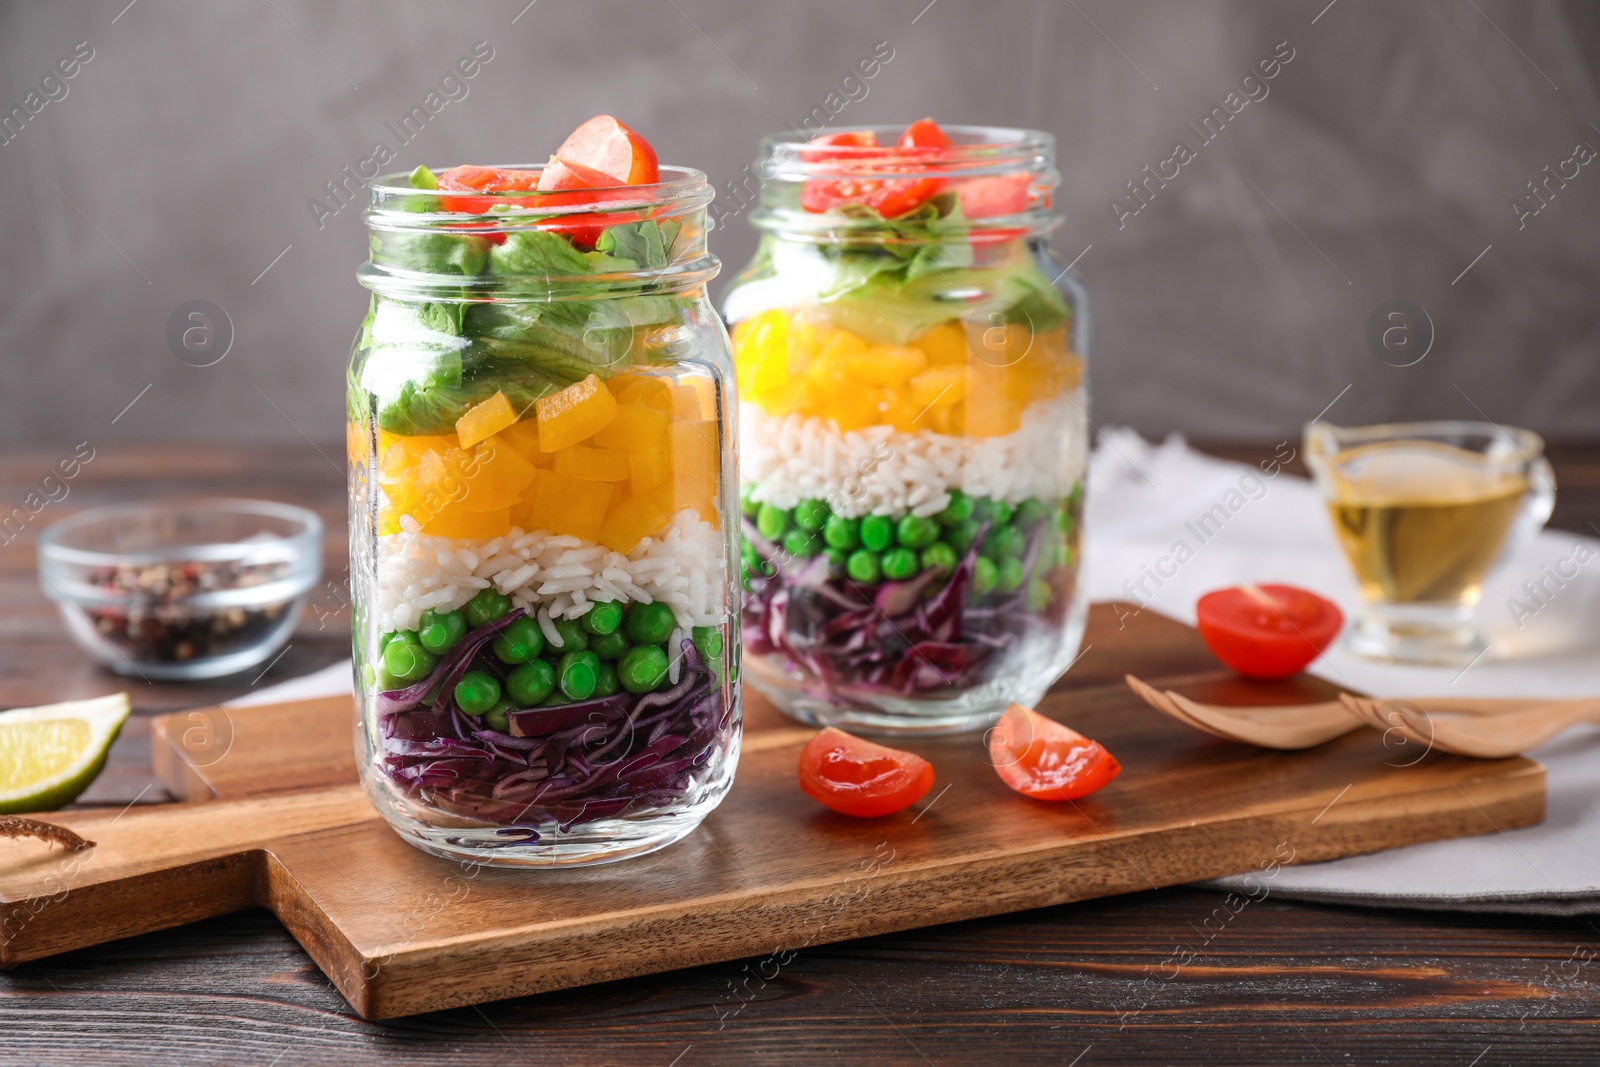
<point x="442" y="317"/>
<point x="432" y="405"/>
<point x="929" y="240"/>
<point x="539" y="253"/>
<point x="430" y="362"/>
<point x="431" y="253"/>
<point x="894" y="314"/>
<point x="901" y="277"/>
<point x="647" y="244"/>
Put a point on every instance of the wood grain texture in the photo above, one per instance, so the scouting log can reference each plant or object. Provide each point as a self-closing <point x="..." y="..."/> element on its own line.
<point x="1286" y="983"/>
<point x="1283" y="984"/>
<point x="242" y="753"/>
<point x="400" y="932"/>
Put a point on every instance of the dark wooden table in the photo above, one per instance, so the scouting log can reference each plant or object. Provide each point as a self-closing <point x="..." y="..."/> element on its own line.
<point x="1080" y="984"/>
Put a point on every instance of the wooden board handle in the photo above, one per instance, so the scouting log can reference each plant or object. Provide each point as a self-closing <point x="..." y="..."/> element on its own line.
<point x="165" y="866"/>
<point x="233" y="753"/>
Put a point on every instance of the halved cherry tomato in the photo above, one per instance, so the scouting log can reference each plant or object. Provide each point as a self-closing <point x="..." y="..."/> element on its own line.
<point x="844" y="138"/>
<point x="569" y="174"/>
<point x="1002" y="194"/>
<point x="1040" y="758"/>
<point x="857" y="777"/>
<point x="925" y="133"/>
<point x="1267" y="631"/>
<point x="483" y="179"/>
<point x="892" y="197"/>
<point x="583" y="182"/>
<point x="865" y="179"/>
<point x="606" y="145"/>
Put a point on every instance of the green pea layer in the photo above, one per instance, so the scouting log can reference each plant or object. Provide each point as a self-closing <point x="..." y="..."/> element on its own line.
<point x="611" y="648"/>
<point x="877" y="548"/>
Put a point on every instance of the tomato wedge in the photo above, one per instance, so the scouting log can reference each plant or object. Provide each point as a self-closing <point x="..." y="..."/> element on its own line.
<point x="925" y="133"/>
<point x="606" y="145"/>
<point x="1040" y="758"/>
<point x="891" y="197"/>
<point x="567" y="174"/>
<point x="1002" y="194"/>
<point x="857" y="777"/>
<point x="483" y="179"/>
<point x="865" y="181"/>
<point x="844" y="138"/>
<point x="600" y="154"/>
<point x="582" y="183"/>
<point x="1267" y="631"/>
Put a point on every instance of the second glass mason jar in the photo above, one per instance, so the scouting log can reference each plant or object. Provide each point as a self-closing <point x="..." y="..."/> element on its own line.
<point x="913" y="430"/>
<point x="542" y="521"/>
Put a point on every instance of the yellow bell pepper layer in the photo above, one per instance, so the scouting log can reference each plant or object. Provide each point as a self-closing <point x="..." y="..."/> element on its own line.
<point x="956" y="378"/>
<point x="611" y="462"/>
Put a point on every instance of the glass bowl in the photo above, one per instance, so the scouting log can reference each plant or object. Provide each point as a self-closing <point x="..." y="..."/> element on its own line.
<point x="182" y="589"/>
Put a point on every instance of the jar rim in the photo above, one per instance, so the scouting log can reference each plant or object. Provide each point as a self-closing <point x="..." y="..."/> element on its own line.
<point x="976" y="151"/>
<point x="391" y="194"/>
<point x="793" y="159"/>
<point x="398" y="209"/>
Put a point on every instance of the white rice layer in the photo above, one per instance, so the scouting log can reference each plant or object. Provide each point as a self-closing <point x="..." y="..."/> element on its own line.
<point x="878" y="470"/>
<point x="553" y="576"/>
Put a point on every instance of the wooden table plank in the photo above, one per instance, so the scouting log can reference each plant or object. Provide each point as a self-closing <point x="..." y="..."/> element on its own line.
<point x="1282" y="982"/>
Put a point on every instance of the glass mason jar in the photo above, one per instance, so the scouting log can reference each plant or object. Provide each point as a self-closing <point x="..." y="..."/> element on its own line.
<point x="541" y="536"/>
<point x="913" y="432"/>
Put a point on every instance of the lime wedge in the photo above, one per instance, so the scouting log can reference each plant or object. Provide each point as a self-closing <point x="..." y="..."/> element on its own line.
<point x="49" y="755"/>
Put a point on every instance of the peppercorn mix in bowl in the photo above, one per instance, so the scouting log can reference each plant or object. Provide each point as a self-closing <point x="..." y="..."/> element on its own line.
<point x="182" y="589"/>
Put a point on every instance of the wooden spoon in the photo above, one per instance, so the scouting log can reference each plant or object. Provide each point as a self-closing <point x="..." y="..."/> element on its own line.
<point x="1488" y="728"/>
<point x="1283" y="726"/>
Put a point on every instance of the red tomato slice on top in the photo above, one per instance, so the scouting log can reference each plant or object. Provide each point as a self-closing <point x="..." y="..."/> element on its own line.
<point x="1003" y="194"/>
<point x="844" y="138"/>
<point x="925" y="133"/>
<point x="483" y="179"/>
<point x="891" y="197"/>
<point x="606" y="145"/>
<point x="1267" y="631"/>
<point x="583" y="183"/>
<point x="568" y="174"/>
<point x="1042" y="759"/>
<point x="856" y="777"/>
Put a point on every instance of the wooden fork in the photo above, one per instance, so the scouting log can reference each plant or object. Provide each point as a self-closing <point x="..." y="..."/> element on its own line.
<point x="1488" y="728"/>
<point x="1285" y="726"/>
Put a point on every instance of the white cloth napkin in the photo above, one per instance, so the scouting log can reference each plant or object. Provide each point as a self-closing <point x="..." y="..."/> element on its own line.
<point x="328" y="682"/>
<point x="1144" y="498"/>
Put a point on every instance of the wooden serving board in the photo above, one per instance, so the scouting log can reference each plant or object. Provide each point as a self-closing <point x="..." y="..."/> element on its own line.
<point x="284" y="826"/>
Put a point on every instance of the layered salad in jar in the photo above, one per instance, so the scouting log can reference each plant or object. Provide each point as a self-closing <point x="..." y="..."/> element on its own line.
<point x="912" y="434"/>
<point x="546" y="587"/>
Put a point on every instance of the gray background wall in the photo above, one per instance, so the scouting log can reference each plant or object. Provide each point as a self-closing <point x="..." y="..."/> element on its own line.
<point x="182" y="158"/>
